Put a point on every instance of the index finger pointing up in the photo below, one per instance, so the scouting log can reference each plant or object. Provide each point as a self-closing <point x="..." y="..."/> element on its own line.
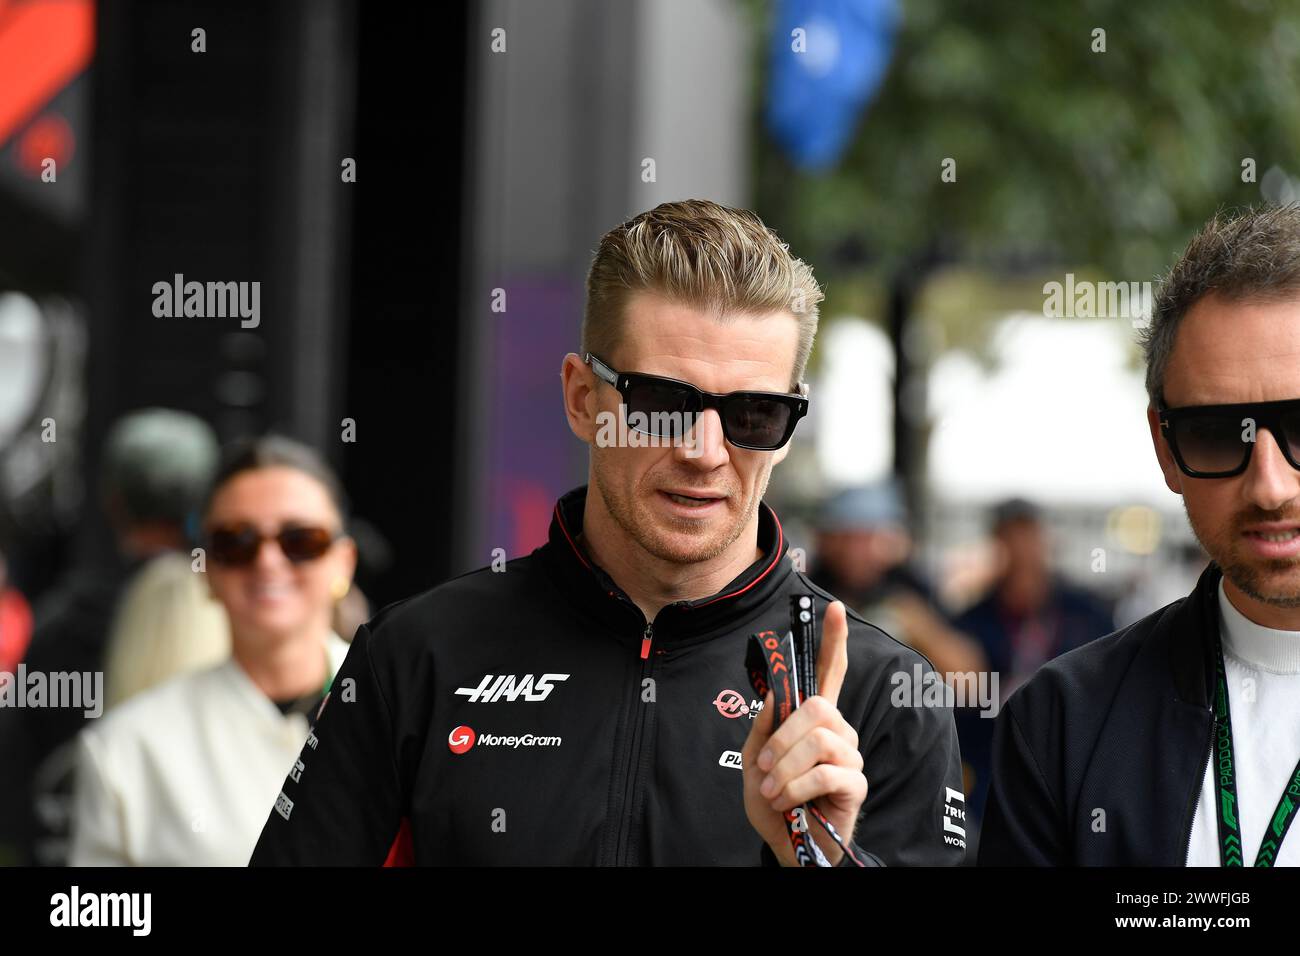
<point x="833" y="658"/>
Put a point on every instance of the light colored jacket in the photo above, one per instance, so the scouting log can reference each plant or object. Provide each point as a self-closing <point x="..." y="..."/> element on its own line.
<point x="186" y="773"/>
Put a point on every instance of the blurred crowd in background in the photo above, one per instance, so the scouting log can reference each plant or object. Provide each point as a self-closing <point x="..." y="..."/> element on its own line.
<point x="975" y="474"/>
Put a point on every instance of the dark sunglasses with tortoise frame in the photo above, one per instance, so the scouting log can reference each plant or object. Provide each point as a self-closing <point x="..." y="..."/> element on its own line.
<point x="237" y="545"/>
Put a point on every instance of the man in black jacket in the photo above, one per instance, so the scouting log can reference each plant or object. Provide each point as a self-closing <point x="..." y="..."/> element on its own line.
<point x="589" y="704"/>
<point x="1175" y="741"/>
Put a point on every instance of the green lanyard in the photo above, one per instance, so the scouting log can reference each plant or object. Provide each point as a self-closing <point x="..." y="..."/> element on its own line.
<point x="1229" y="810"/>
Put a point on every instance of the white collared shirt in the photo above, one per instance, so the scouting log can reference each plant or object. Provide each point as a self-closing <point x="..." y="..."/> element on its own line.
<point x="1262" y="666"/>
<point x="186" y="773"/>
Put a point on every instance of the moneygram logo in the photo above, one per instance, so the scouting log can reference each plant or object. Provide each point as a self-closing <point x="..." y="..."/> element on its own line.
<point x="463" y="738"/>
<point x="494" y="687"/>
<point x="731" y="704"/>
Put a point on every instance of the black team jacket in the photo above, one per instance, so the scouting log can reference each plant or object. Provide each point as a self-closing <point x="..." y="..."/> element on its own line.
<point x="1099" y="759"/>
<point x="533" y="716"/>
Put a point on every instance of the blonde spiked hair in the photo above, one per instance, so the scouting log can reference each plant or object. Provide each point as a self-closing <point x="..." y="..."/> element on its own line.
<point x="705" y="255"/>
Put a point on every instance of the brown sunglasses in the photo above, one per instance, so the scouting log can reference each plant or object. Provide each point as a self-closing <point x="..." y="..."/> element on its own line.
<point x="238" y="545"/>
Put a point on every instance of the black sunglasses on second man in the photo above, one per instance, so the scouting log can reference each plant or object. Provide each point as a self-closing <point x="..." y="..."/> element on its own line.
<point x="762" y="421"/>
<point x="1214" y="441"/>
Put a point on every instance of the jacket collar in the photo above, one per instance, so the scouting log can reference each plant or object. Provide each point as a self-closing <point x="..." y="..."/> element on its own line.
<point x="596" y="593"/>
<point x="336" y="649"/>
<point x="1191" y="629"/>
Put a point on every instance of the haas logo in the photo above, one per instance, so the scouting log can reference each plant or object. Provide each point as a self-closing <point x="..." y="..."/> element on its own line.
<point x="494" y="687"/>
<point x="730" y="704"/>
<point x="460" y="739"/>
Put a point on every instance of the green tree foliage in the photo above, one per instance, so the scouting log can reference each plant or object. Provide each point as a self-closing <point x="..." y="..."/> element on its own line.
<point x="1104" y="159"/>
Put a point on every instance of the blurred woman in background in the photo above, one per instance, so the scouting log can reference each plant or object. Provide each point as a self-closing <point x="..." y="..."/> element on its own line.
<point x="185" y="773"/>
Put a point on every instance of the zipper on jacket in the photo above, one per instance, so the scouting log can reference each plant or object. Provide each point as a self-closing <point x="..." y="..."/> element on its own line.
<point x="639" y="719"/>
<point x="1200" y="787"/>
<point x="622" y="849"/>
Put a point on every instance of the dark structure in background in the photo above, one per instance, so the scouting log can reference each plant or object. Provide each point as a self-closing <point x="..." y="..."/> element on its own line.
<point x="226" y="165"/>
<point x="404" y="381"/>
<point x="477" y="169"/>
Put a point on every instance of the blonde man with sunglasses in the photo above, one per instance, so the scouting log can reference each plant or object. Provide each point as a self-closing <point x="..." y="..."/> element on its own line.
<point x="591" y="705"/>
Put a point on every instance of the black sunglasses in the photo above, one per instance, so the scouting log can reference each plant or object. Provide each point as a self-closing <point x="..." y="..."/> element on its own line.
<point x="237" y="545"/>
<point x="1214" y="441"/>
<point x="762" y="421"/>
